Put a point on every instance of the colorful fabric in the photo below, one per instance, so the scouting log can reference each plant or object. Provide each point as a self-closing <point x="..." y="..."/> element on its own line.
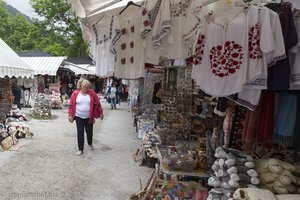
<point x="285" y="118"/>
<point x="266" y="117"/>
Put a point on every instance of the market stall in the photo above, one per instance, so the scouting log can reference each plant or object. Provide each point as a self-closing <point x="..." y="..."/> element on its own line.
<point x="12" y="122"/>
<point x="228" y="91"/>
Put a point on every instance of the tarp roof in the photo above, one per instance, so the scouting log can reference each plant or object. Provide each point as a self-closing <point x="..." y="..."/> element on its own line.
<point x="11" y="64"/>
<point x="81" y="69"/>
<point x="44" y="65"/>
<point x="95" y="8"/>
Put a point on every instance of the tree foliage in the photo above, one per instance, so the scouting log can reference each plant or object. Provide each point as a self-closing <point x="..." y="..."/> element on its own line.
<point x="56" y="32"/>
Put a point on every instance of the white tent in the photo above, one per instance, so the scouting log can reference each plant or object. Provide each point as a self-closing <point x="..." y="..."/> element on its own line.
<point x="44" y="65"/>
<point x="11" y="64"/>
<point x="80" y="69"/>
<point x="92" y="10"/>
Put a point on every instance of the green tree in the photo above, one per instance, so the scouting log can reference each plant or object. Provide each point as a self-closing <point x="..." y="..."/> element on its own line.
<point x="59" y="22"/>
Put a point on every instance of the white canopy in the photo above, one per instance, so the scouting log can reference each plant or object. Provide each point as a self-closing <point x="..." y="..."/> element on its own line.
<point x="93" y="9"/>
<point x="11" y="64"/>
<point x="80" y="69"/>
<point x="44" y="65"/>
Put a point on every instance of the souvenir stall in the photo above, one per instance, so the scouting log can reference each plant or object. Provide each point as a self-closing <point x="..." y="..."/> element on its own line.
<point x="12" y="121"/>
<point x="47" y="70"/>
<point x="41" y="108"/>
<point x="229" y="112"/>
<point x="55" y="96"/>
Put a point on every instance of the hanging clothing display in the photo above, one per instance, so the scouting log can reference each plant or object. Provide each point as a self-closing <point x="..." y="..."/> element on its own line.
<point x="223" y="67"/>
<point x="128" y="45"/>
<point x="149" y="12"/>
<point x="295" y="71"/>
<point x="171" y="38"/>
<point x="266" y="118"/>
<point x="272" y="49"/>
<point x="279" y="74"/>
<point x="105" y="31"/>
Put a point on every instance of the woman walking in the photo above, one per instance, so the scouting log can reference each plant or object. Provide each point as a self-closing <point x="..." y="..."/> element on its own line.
<point x="84" y="108"/>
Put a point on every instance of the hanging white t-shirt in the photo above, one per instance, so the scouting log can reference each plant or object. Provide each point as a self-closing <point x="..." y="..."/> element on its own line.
<point x="174" y="45"/>
<point x="271" y="45"/>
<point x="82" y="106"/>
<point x="149" y="14"/>
<point x="273" y="50"/>
<point x="223" y="68"/>
<point x="105" y="31"/>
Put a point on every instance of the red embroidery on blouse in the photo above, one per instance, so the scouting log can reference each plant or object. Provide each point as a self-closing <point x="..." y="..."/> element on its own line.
<point x="124" y="31"/>
<point x="132" y="29"/>
<point x="131" y="44"/>
<point x="123" y="46"/>
<point x="123" y="61"/>
<point x="144" y="12"/>
<point x="146" y="23"/>
<point x="254" y="43"/>
<point x="199" y="50"/>
<point x="132" y="59"/>
<point x="227" y="61"/>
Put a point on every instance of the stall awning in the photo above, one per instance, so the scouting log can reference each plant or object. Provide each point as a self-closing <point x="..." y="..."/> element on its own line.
<point x="11" y="64"/>
<point x="81" y="69"/>
<point x="44" y="65"/>
<point x="84" y="8"/>
<point x="95" y="8"/>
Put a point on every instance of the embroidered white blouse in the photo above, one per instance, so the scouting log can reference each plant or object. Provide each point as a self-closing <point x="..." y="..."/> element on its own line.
<point x="129" y="47"/>
<point x="105" y="31"/>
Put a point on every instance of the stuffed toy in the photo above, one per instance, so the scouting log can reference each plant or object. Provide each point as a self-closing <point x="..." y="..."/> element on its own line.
<point x="277" y="176"/>
<point x="268" y="177"/>
<point x="273" y="165"/>
<point x="252" y="194"/>
<point x="288" y="197"/>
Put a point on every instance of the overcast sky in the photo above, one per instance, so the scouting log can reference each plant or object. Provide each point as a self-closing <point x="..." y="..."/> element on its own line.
<point x="23" y="6"/>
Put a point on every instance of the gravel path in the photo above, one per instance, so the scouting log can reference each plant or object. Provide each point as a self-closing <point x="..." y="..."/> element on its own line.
<point x="47" y="167"/>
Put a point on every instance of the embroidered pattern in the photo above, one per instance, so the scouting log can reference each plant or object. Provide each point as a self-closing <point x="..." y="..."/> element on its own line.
<point x="199" y="50"/>
<point x="123" y="46"/>
<point x="242" y="102"/>
<point x="276" y="59"/>
<point x="258" y="82"/>
<point x="146" y="23"/>
<point x="132" y="29"/>
<point x="114" y="41"/>
<point x="226" y="61"/>
<point x="180" y="9"/>
<point x="123" y="61"/>
<point x="254" y="43"/>
<point x="132" y="59"/>
<point x="152" y="17"/>
<point x="105" y="37"/>
<point x="123" y="31"/>
<point x="165" y="29"/>
<point x="132" y="45"/>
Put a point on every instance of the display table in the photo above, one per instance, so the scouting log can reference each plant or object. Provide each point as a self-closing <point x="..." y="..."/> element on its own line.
<point x="162" y="150"/>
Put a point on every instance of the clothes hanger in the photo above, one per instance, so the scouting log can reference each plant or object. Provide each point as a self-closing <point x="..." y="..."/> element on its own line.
<point x="129" y="4"/>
